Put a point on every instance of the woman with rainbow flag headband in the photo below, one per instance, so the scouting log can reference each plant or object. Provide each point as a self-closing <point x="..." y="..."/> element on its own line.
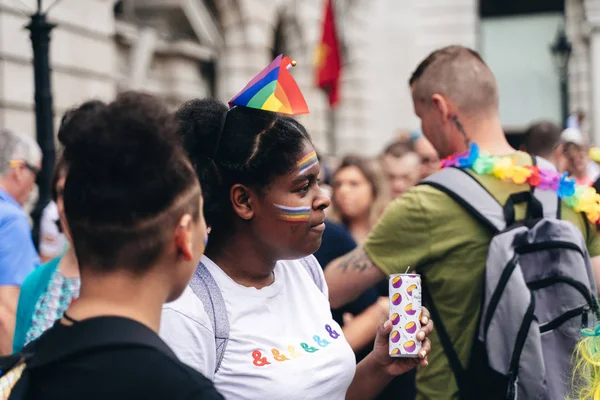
<point x="274" y="337"/>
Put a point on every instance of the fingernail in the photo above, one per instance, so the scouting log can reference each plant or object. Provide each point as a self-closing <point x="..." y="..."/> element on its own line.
<point x="421" y="335"/>
<point x="423" y="354"/>
<point x="425" y="320"/>
<point x="387" y="324"/>
<point x="426" y="363"/>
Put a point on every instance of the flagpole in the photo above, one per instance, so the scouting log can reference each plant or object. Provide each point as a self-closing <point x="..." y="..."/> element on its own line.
<point x="331" y="128"/>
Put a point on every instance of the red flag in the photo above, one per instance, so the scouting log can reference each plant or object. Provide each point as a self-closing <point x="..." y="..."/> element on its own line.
<point x="329" y="56"/>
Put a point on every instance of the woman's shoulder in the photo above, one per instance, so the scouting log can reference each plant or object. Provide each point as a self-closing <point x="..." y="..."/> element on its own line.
<point x="305" y="270"/>
<point x="185" y="326"/>
<point x="40" y="275"/>
<point x="189" y="307"/>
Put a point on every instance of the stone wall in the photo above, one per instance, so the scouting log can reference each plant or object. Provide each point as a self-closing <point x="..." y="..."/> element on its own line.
<point x="580" y="94"/>
<point x="82" y="56"/>
<point x="93" y="55"/>
<point x="383" y="43"/>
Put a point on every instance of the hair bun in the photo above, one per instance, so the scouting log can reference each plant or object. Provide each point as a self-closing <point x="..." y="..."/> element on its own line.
<point x="200" y="124"/>
<point x="65" y="135"/>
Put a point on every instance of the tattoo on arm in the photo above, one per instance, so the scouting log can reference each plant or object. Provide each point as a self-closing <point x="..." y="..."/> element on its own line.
<point x="357" y="260"/>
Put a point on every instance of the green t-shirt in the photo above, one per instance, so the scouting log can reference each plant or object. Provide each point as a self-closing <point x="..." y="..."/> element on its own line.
<point x="425" y="228"/>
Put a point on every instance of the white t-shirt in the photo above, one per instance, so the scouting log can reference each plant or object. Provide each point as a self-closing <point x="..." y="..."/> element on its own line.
<point x="283" y="341"/>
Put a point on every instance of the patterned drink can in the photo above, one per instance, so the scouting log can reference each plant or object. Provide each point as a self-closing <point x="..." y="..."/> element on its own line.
<point x="405" y="314"/>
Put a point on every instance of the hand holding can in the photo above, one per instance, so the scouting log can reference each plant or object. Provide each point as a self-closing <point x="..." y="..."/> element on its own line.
<point x="405" y="313"/>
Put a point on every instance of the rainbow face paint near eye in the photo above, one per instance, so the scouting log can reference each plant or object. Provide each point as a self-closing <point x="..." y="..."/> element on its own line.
<point x="307" y="162"/>
<point x="293" y="214"/>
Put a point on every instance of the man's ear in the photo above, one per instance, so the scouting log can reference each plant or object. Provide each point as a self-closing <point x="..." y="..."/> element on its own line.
<point x="440" y="103"/>
<point x="242" y="199"/>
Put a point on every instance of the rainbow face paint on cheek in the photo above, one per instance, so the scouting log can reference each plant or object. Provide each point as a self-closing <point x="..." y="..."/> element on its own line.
<point x="293" y="214"/>
<point x="308" y="161"/>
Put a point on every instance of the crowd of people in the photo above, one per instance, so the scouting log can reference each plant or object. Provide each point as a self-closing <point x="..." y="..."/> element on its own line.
<point x="212" y="252"/>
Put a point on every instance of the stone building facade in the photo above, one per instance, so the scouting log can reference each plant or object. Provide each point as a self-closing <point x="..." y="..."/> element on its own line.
<point x="180" y="49"/>
<point x="583" y="30"/>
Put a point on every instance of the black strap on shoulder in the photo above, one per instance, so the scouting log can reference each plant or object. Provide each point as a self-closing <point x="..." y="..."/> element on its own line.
<point x="94" y="334"/>
<point x="534" y="207"/>
<point x="453" y="360"/>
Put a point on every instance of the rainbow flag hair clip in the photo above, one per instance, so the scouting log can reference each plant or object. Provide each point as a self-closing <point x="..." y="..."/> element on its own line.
<point x="273" y="89"/>
<point x="293" y="214"/>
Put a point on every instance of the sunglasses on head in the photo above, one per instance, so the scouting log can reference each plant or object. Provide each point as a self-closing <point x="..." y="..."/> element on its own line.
<point x="22" y="163"/>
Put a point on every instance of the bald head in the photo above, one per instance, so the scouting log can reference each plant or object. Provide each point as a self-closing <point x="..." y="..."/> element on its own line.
<point x="460" y="75"/>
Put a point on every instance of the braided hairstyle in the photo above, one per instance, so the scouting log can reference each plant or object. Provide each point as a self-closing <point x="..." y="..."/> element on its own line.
<point x="242" y="145"/>
<point x="129" y="181"/>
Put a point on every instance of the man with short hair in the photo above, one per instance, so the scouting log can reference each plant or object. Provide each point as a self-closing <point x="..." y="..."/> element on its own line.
<point x="542" y="139"/>
<point x="20" y="160"/>
<point x="402" y="167"/>
<point x="456" y="97"/>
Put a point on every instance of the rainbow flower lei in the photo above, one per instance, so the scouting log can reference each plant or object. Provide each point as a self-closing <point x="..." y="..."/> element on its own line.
<point x="580" y="198"/>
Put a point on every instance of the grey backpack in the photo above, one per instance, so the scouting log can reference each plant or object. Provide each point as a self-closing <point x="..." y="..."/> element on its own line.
<point x="539" y="290"/>
<point x="207" y="290"/>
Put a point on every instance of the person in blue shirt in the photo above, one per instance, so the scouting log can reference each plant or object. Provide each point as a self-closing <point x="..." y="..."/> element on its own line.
<point x="20" y="160"/>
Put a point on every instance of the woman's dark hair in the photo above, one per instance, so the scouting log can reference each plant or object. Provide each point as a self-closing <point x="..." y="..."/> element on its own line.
<point x="241" y="145"/>
<point x="129" y="182"/>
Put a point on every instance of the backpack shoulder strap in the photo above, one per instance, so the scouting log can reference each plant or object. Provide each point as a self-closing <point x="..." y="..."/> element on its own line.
<point x="470" y="194"/>
<point x="311" y="265"/>
<point x="94" y="334"/>
<point x="548" y="198"/>
<point x="207" y="290"/>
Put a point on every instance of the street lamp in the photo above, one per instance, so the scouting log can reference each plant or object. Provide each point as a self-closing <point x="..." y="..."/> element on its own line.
<point x="561" y="53"/>
<point x="40" y="30"/>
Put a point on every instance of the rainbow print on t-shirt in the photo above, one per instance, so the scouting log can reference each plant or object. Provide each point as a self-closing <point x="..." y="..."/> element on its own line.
<point x="260" y="360"/>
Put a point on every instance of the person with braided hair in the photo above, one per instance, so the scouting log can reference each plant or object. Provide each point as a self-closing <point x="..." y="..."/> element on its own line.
<point x="263" y="203"/>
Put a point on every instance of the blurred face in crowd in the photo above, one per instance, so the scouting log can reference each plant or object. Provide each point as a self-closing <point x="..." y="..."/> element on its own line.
<point x="352" y="193"/>
<point x="576" y="159"/>
<point x="402" y="172"/>
<point x="23" y="175"/>
<point x="430" y="161"/>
